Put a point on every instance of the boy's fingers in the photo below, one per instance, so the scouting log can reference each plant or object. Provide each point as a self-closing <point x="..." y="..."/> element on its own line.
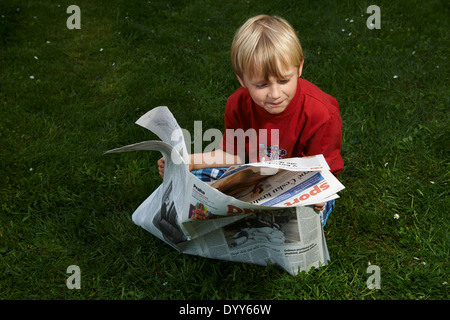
<point x="161" y="167"/>
<point x="319" y="206"/>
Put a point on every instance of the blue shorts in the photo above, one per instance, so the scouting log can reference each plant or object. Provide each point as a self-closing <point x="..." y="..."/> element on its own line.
<point x="329" y="206"/>
<point x="211" y="174"/>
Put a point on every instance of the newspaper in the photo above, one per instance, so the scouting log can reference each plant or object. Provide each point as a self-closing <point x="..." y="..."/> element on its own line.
<point x="257" y="213"/>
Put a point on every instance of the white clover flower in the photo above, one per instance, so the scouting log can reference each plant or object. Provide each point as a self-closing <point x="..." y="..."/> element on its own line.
<point x="395" y="77"/>
<point x="31" y="77"/>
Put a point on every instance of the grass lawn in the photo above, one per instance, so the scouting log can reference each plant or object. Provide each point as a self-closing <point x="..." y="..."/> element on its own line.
<point x="67" y="96"/>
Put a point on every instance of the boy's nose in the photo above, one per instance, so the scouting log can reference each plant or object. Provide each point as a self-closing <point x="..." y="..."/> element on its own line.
<point x="275" y="92"/>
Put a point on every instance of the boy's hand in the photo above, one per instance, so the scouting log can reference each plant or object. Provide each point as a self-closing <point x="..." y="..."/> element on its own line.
<point x="161" y="167"/>
<point x="319" y="206"/>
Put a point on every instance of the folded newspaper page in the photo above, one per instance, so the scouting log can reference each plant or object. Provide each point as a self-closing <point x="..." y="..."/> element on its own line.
<point x="257" y="213"/>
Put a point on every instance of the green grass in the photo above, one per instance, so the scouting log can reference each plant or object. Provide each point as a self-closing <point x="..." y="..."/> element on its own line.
<point x="63" y="202"/>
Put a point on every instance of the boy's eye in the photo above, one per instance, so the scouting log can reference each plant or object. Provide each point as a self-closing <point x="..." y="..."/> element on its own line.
<point x="264" y="84"/>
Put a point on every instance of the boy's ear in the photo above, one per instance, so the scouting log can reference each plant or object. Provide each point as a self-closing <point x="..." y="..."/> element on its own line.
<point x="240" y="80"/>
<point x="300" y="69"/>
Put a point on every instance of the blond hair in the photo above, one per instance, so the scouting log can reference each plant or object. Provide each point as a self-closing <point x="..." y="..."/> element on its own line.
<point x="265" y="45"/>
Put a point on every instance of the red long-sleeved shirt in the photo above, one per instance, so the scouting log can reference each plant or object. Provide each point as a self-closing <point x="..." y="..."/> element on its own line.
<point x="310" y="125"/>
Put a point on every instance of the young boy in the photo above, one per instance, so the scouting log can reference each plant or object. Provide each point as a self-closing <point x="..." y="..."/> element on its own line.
<point x="290" y="116"/>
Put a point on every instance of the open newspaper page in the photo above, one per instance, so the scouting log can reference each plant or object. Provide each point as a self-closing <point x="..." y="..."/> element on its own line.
<point x="291" y="238"/>
<point x="272" y="224"/>
<point x="276" y="184"/>
<point x="162" y="123"/>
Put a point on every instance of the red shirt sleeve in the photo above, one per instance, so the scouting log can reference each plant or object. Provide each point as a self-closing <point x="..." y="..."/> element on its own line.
<point x="325" y="135"/>
<point x="233" y="139"/>
<point x="327" y="141"/>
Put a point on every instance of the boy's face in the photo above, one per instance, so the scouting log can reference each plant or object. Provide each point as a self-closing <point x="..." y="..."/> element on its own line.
<point x="275" y="94"/>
